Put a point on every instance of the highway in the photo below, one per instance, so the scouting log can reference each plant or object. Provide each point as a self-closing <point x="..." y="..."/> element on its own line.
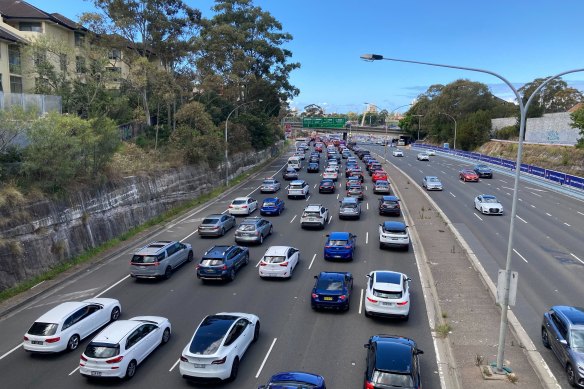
<point x="293" y="337"/>
<point x="548" y="244"/>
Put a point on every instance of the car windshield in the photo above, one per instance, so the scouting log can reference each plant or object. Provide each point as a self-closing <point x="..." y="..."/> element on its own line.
<point x="577" y="339"/>
<point x="102" y="350"/>
<point x="211" y="261"/>
<point x="210" y="221"/>
<point x="433" y="179"/>
<point x="330" y="285"/>
<point x="338" y="242"/>
<point x="490" y="200"/>
<point x="43" y="329"/>
<point x="387" y="294"/>
<point x="392" y="379"/>
<point x="209" y="335"/>
<point x="246" y="227"/>
<point x="274" y="259"/>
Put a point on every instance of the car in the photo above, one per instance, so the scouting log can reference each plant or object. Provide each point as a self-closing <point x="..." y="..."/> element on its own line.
<point x="300" y="154"/>
<point x="423" y="157"/>
<point x="345" y="154"/>
<point x="279" y="261"/>
<point x="398" y="153"/>
<point x="243" y="206"/>
<point x="372" y="168"/>
<point x="431" y="153"/>
<point x="216" y="225"/>
<point x="326" y="185"/>
<point x="290" y="174"/>
<point x="218" y="345"/>
<point x="332" y="290"/>
<point x="333" y="164"/>
<point x="349" y="208"/>
<point x="352" y="180"/>
<point x="379" y="175"/>
<point x="313" y="167"/>
<point x="432" y="183"/>
<point x="381" y="186"/>
<point x="159" y="259"/>
<point x="468" y="175"/>
<point x="357" y="172"/>
<point x="298" y="188"/>
<point x="392" y="362"/>
<point x="66" y="325"/>
<point x="119" y="348"/>
<point x="314" y="215"/>
<point x="394" y="234"/>
<point x="562" y="330"/>
<point x="340" y="245"/>
<point x="272" y="206"/>
<point x="295" y="379"/>
<point x="350" y="167"/>
<point x="483" y="171"/>
<point x="389" y="205"/>
<point x="387" y="294"/>
<point x="318" y="148"/>
<point x="330" y="173"/>
<point x="355" y="190"/>
<point x="488" y="205"/>
<point x="253" y="230"/>
<point x="270" y="185"/>
<point x="313" y="159"/>
<point x="222" y="262"/>
<point x="295" y="162"/>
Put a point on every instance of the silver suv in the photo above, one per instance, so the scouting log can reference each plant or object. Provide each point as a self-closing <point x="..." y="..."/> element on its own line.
<point x="253" y="230"/>
<point x="349" y="208"/>
<point x="315" y="215"/>
<point x="159" y="259"/>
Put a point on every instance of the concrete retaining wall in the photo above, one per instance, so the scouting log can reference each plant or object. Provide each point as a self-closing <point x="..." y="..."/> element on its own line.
<point x="551" y="128"/>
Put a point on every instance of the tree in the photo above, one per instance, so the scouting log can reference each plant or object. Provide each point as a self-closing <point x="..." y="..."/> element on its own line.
<point x="556" y="96"/>
<point x="578" y="122"/>
<point x="13" y="122"/>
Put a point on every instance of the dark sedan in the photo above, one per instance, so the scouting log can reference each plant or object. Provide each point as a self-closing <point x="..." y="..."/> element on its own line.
<point x="313" y="167"/>
<point x="483" y="171"/>
<point x="290" y="174"/>
<point x="332" y="290"/>
<point x="326" y="186"/>
<point x="389" y="205"/>
<point x="295" y="380"/>
<point x="222" y="262"/>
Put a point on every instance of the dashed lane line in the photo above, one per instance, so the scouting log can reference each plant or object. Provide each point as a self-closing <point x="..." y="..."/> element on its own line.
<point x="523" y="220"/>
<point x="452" y="194"/>
<point x="567" y="224"/>
<point x="549" y="214"/>
<point x="520" y="256"/>
<point x="478" y="217"/>
<point x="291" y="221"/>
<point x="312" y="261"/>
<point x="581" y="261"/>
<point x="535" y="194"/>
<point x="361" y="301"/>
<point x="367" y="237"/>
<point x="173" y="366"/>
<point x="266" y="358"/>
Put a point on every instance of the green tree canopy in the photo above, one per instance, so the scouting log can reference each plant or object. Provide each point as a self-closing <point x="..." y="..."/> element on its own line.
<point x="578" y="122"/>
<point x="556" y="96"/>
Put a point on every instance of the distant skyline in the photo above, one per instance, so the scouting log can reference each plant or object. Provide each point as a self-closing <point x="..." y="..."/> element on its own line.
<point x="521" y="40"/>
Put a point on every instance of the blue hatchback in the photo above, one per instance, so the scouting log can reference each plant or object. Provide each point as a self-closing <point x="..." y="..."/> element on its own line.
<point x="340" y="245"/>
<point x="294" y="379"/>
<point x="332" y="290"/>
<point x="272" y="206"/>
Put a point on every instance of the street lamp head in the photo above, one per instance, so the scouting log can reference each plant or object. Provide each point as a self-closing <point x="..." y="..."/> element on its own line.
<point x="371" y="57"/>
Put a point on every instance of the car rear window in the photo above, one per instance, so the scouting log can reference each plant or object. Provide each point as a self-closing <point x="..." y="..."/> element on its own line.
<point x="395" y="230"/>
<point x="311" y="214"/>
<point x="274" y="259"/>
<point x="211" y="261"/>
<point x="296" y="186"/>
<point x="387" y="294"/>
<point x="269" y="182"/>
<point x="348" y="205"/>
<point x="236" y="202"/>
<point x="210" y="221"/>
<point x="102" y="350"/>
<point x="269" y="204"/>
<point x="147" y="258"/>
<point x="330" y="285"/>
<point x="338" y="242"/>
<point x="246" y="227"/>
<point x="392" y="379"/>
<point x="208" y="337"/>
<point x="389" y="202"/>
<point x="43" y="329"/>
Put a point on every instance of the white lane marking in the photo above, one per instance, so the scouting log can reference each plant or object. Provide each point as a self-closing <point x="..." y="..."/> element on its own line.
<point x="367" y="237"/>
<point x="311" y="262"/>
<point x="523" y="220"/>
<point x="532" y="206"/>
<point x="189" y="235"/>
<point x="520" y="199"/>
<point x="330" y="218"/>
<point x="535" y="189"/>
<point x="307" y="198"/>
<point x="314" y="186"/>
<point x="567" y="224"/>
<point x="293" y="219"/>
<point x="173" y="366"/>
<point x="520" y="256"/>
<point x="506" y="187"/>
<point x="478" y="216"/>
<point x="266" y="358"/>
<point x="37" y="284"/>
<point x="73" y="372"/>
<point x="488" y="184"/>
<point x="498" y="188"/>
<point x="549" y="214"/>
<point x="287" y="186"/>
<point x="10" y="352"/>
<point x="114" y="285"/>
<point x="367" y="206"/>
<point x="257" y="264"/>
<point x="410" y="164"/>
<point x="452" y="194"/>
<point x="361" y="301"/>
<point x="581" y="261"/>
<point x="502" y="181"/>
<point x="442" y="171"/>
<point x="365" y="187"/>
<point x="535" y="194"/>
<point x="420" y="171"/>
<point x="337" y="196"/>
<point x="580" y="213"/>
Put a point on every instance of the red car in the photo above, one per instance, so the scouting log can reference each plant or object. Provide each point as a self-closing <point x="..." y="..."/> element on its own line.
<point x="379" y="175"/>
<point x="468" y="175"/>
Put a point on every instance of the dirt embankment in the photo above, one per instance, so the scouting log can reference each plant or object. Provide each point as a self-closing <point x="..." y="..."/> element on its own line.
<point x="560" y="158"/>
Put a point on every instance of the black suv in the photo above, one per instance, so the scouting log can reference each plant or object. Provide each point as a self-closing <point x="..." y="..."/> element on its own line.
<point x="562" y="330"/>
<point x="392" y="361"/>
<point x="222" y="262"/>
<point x="389" y="205"/>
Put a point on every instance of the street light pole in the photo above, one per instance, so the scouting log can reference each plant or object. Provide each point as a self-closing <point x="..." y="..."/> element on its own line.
<point x="523" y="111"/>
<point x="451" y="117"/>
<point x="227" y="144"/>
<point x="419" y="120"/>
<point x="385" y="141"/>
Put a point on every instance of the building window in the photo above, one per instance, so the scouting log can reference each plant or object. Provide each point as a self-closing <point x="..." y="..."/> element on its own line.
<point x="115" y="73"/>
<point x="79" y="39"/>
<point x="80" y="64"/>
<point x="14" y="59"/>
<point x="63" y="62"/>
<point x="1" y="84"/>
<point x="115" y="54"/>
<point x="30" y="26"/>
<point x="15" y="84"/>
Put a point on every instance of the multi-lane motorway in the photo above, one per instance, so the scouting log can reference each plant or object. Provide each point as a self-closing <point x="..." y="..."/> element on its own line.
<point x="293" y="337"/>
<point x="549" y="233"/>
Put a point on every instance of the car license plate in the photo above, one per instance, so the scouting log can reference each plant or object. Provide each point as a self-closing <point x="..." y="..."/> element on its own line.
<point x="199" y="365"/>
<point x="328" y="299"/>
<point x="36" y="342"/>
<point x="96" y="373"/>
<point x="387" y="304"/>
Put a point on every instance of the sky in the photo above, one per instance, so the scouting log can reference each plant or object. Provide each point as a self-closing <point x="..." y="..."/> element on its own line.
<point x="519" y="39"/>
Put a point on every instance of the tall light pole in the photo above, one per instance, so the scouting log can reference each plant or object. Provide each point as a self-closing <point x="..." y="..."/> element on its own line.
<point x="523" y="111"/>
<point x="227" y="144"/>
<point x="385" y="142"/>
<point x="451" y="117"/>
<point x="419" y="120"/>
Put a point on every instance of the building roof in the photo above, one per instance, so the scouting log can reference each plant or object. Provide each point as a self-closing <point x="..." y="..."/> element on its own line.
<point x="10" y="37"/>
<point x="20" y="9"/>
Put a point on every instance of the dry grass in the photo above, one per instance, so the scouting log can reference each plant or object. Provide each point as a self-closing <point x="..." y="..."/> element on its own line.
<point x="10" y="196"/>
<point x="133" y="160"/>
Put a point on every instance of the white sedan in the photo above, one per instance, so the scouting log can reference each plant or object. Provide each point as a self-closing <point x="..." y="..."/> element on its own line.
<point x="122" y="346"/>
<point x="243" y="206"/>
<point x="217" y="346"/>
<point x="279" y="261"/>
<point x="423" y="157"/>
<point x="388" y="294"/>
<point x="398" y="153"/>
<point x="488" y="205"/>
<point x="331" y="173"/>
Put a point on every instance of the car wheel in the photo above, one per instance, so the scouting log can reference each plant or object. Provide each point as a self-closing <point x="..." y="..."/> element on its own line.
<point x="367" y="314"/>
<point x="246" y="260"/>
<point x="271" y="230"/>
<point x="131" y="369"/>
<point x="165" y="336"/>
<point x="222" y="231"/>
<point x="545" y="337"/>
<point x="407" y="317"/>
<point x="261" y="238"/>
<point x="570" y="375"/>
<point x="168" y="272"/>
<point x="234" y="369"/>
<point x="256" y="332"/>
<point x="190" y="257"/>
<point x="232" y="275"/>
<point x="380" y="246"/>
<point x="115" y="315"/>
<point x="73" y="343"/>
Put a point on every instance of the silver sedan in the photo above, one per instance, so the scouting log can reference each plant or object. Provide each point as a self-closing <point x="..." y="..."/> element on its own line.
<point x="432" y="183"/>
<point x="216" y="225"/>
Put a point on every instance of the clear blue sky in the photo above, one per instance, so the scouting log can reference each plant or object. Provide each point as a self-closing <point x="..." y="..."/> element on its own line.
<point x="519" y="39"/>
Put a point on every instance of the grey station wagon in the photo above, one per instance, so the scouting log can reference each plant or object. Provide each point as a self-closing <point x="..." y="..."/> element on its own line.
<point x="159" y="259"/>
<point x="216" y="225"/>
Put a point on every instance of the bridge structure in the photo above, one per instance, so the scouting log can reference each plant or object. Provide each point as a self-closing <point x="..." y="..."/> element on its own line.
<point x="352" y="129"/>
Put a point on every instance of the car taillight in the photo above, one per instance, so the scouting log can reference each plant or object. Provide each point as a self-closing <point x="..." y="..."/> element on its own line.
<point x="369" y="385"/>
<point x="347" y="247"/>
<point x="26" y="338"/>
<point x="115" y="360"/>
<point x="219" y="361"/>
<point x="244" y="206"/>
<point x="371" y="300"/>
<point x="224" y="267"/>
<point x="342" y="297"/>
<point x="215" y="228"/>
<point x="83" y="357"/>
<point x="263" y="264"/>
<point x="53" y="340"/>
<point x="328" y="247"/>
<point x="314" y="296"/>
<point x="198" y="267"/>
<point x="230" y="205"/>
<point x="402" y="303"/>
<point x="183" y="358"/>
<point x="284" y="264"/>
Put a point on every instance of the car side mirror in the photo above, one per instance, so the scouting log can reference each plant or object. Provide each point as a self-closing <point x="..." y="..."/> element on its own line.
<point x="315" y="277"/>
<point x="366" y="345"/>
<point x="564" y="342"/>
<point x="419" y="352"/>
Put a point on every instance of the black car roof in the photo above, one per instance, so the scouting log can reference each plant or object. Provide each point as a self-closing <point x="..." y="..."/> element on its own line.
<point x="393" y="357"/>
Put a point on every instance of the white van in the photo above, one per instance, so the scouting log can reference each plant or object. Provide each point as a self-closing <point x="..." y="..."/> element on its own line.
<point x="295" y="162"/>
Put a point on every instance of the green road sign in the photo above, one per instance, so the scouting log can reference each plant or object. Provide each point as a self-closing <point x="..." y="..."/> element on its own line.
<point x="322" y="122"/>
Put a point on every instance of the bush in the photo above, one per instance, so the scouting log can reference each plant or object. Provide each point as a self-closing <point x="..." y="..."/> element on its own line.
<point x="506" y="133"/>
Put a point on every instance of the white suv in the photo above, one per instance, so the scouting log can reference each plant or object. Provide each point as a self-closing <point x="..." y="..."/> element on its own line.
<point x="394" y="234"/>
<point x="315" y="215"/>
<point x="298" y="188"/>
<point x="388" y="294"/>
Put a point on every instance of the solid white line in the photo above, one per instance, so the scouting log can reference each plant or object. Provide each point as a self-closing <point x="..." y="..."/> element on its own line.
<point x="367" y="237"/>
<point x="453" y="195"/>
<point x="189" y="235"/>
<point x="367" y="206"/>
<point x="173" y="366"/>
<point x="37" y="284"/>
<point x="311" y="262"/>
<point x="266" y="358"/>
<point x="478" y="216"/>
<point x="10" y="352"/>
<point x="293" y="218"/>
<point x="307" y="198"/>
<point x="580" y="213"/>
<point x="330" y="218"/>
<point x="517" y="216"/>
<point x="548" y="214"/>
<point x="361" y="301"/>
<point x="120" y="281"/>
<point x="521" y="256"/>
<point x="337" y="196"/>
<point x="581" y="261"/>
<point x="567" y="224"/>
<point x="73" y="372"/>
